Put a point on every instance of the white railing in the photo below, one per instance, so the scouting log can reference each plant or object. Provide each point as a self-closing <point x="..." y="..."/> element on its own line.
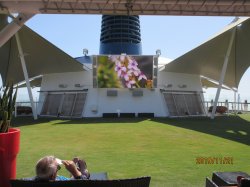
<point x="232" y="106"/>
<point x="24" y="108"/>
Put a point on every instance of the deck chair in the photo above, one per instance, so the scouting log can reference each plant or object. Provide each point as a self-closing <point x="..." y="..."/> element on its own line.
<point x="133" y="182"/>
<point x="210" y="183"/>
<point x="245" y="182"/>
<point x="99" y="176"/>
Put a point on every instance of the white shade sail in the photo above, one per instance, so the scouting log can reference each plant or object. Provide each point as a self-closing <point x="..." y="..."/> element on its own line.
<point x="208" y="58"/>
<point x="208" y="83"/>
<point x="41" y="57"/>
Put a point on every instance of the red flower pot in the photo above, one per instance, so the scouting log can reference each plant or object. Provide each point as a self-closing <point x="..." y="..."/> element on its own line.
<point x="9" y="148"/>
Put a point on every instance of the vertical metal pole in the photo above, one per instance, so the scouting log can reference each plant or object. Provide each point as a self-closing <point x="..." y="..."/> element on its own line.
<point x="234" y="105"/>
<point x="25" y="73"/>
<point x="223" y="72"/>
<point x="15" y="110"/>
<point x="178" y="113"/>
<point x="238" y="107"/>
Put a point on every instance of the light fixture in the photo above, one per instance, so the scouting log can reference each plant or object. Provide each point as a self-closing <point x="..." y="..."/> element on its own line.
<point x="94" y="109"/>
<point x="85" y="51"/>
<point x="168" y="86"/>
<point x="158" y="52"/>
<point x="79" y="85"/>
<point x="63" y="85"/>
<point x="182" y="85"/>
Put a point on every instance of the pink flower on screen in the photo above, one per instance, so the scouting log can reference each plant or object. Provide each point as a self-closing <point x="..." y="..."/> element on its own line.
<point x="120" y="69"/>
<point x="142" y="76"/>
<point x="126" y="76"/>
<point x="130" y="83"/>
<point x="114" y="58"/>
<point x="127" y="70"/>
<point x="122" y="58"/>
<point x="132" y="65"/>
<point x="134" y="72"/>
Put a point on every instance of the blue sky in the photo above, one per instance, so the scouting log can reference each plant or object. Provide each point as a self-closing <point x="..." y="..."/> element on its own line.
<point x="174" y="35"/>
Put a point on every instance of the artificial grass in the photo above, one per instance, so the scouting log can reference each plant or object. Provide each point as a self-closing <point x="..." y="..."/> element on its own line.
<point x="165" y="149"/>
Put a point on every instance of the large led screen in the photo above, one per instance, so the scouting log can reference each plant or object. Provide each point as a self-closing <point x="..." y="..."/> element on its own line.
<point x="124" y="71"/>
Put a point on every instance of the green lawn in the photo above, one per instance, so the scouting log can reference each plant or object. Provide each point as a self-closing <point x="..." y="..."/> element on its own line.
<point x="165" y="149"/>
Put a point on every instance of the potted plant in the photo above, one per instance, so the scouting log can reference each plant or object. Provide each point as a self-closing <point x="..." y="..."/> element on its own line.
<point x="9" y="137"/>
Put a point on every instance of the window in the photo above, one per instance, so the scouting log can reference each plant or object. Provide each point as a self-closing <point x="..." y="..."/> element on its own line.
<point x="79" y="104"/>
<point x="184" y="104"/>
<point x="68" y="104"/>
<point x="51" y="104"/>
<point x="64" y="104"/>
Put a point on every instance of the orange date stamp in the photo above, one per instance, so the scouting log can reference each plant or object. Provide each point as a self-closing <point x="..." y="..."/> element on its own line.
<point x="214" y="160"/>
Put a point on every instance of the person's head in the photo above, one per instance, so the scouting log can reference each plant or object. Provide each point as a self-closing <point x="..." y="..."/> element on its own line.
<point x="46" y="168"/>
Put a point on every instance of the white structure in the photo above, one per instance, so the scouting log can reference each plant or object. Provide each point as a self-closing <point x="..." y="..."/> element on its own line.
<point x="72" y="95"/>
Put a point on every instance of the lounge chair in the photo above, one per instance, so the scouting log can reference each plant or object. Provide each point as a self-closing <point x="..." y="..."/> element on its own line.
<point x="133" y="182"/>
<point x="210" y="183"/>
<point x="245" y="182"/>
<point x="99" y="176"/>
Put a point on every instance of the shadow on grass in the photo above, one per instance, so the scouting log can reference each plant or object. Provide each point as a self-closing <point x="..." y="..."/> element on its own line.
<point x="28" y="120"/>
<point x="232" y="128"/>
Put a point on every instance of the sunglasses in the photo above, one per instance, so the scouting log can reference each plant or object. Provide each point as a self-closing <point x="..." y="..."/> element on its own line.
<point x="58" y="167"/>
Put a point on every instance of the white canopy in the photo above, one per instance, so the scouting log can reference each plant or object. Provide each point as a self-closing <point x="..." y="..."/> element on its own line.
<point x="208" y="58"/>
<point x="41" y="57"/>
<point x="208" y="83"/>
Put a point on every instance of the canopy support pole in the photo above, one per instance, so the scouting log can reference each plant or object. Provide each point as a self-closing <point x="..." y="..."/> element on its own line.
<point x="11" y="29"/>
<point x="235" y="93"/>
<point x="223" y="72"/>
<point x="238" y="102"/>
<point x="25" y="73"/>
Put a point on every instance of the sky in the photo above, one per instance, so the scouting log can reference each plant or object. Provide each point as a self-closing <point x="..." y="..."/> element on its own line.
<point x="173" y="35"/>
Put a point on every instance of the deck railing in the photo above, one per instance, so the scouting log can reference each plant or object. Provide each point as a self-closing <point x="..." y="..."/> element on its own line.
<point x="233" y="107"/>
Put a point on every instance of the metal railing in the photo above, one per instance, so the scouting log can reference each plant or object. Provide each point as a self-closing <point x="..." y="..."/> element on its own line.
<point x="24" y="104"/>
<point x="231" y="106"/>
